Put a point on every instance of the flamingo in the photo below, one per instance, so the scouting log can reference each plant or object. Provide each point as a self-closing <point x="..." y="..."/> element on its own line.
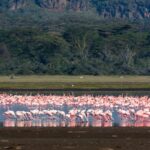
<point x="85" y="108"/>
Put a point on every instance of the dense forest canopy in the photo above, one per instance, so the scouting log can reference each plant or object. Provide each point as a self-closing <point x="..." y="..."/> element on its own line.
<point x="76" y="37"/>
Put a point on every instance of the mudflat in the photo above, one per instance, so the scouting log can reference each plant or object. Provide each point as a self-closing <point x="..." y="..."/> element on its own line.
<point x="79" y="138"/>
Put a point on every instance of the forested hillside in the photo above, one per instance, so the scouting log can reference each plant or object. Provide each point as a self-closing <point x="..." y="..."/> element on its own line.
<point x="133" y="9"/>
<point x="74" y="37"/>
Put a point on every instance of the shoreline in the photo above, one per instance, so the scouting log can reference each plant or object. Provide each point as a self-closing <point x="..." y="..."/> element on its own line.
<point x="82" y="82"/>
<point x="79" y="138"/>
<point x="76" y="90"/>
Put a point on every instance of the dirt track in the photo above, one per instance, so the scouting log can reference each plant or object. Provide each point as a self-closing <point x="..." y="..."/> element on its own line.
<point x="75" y="138"/>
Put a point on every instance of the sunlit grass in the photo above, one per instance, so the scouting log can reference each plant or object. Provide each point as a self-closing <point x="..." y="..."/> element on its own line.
<point x="75" y="82"/>
<point x="68" y="79"/>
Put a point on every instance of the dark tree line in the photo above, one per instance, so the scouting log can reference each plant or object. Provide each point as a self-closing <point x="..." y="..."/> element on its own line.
<point x="82" y="48"/>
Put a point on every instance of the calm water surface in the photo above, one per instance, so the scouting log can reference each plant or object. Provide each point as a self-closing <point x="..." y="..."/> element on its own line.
<point x="58" y="120"/>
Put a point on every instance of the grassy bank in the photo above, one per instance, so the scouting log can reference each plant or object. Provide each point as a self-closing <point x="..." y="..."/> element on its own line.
<point x="74" y="82"/>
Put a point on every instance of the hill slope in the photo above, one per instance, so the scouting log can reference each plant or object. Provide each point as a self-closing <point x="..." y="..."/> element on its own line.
<point x="133" y="9"/>
<point x="75" y="37"/>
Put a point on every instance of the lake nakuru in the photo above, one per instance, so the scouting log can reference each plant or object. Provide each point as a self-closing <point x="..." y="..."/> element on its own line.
<point x="74" y="111"/>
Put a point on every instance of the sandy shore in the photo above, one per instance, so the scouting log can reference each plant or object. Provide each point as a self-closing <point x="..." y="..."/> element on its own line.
<point x="75" y="138"/>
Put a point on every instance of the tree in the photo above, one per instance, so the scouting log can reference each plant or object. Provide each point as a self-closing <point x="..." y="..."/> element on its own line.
<point x="80" y="39"/>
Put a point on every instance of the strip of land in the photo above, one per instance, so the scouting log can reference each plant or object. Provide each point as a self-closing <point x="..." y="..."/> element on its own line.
<point x="75" y="82"/>
<point x="75" y="138"/>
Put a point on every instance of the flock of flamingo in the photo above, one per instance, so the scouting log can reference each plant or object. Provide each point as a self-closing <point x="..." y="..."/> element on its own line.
<point x="69" y="110"/>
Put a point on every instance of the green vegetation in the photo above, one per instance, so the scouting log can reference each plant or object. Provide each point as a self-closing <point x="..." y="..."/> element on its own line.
<point x="93" y="49"/>
<point x="35" y="40"/>
<point x="75" y="82"/>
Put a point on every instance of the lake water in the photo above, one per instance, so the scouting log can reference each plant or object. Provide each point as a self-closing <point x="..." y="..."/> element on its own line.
<point x="96" y="109"/>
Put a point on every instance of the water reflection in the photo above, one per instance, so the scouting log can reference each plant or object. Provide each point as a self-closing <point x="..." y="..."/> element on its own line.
<point x="13" y="123"/>
<point x="39" y="123"/>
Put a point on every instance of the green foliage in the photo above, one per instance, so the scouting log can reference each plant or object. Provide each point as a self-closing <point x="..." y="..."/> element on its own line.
<point x="73" y="44"/>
